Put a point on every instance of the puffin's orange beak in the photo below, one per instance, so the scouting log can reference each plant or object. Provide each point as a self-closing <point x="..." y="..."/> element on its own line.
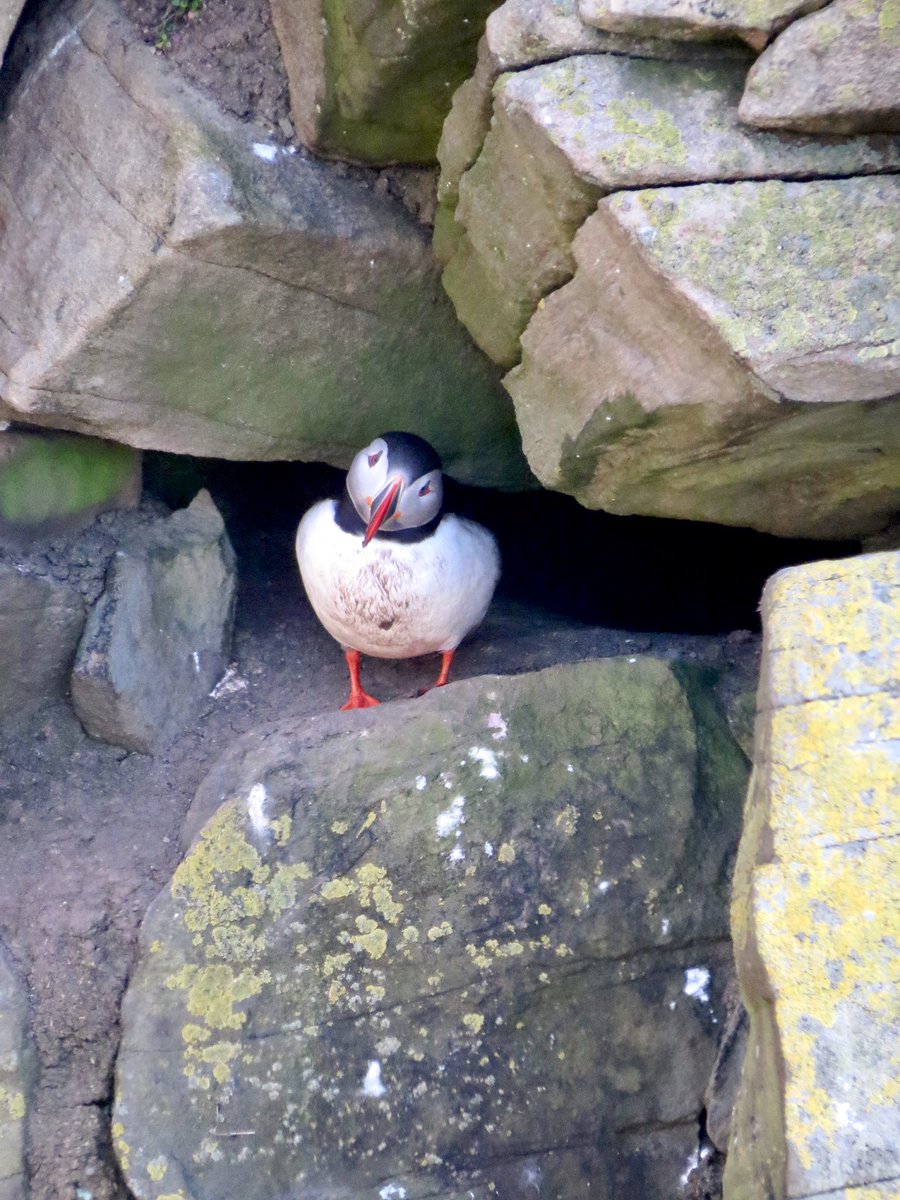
<point x="384" y="506"/>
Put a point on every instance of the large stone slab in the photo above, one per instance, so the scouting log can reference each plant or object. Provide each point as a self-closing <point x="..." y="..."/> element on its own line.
<point x="372" y="82"/>
<point x="40" y="624"/>
<point x="725" y="353"/>
<point x="159" y="637"/>
<point x="567" y="133"/>
<point x="17" y="1065"/>
<point x="837" y="71"/>
<point x="185" y="292"/>
<point x="464" y="946"/>
<point x="753" y="20"/>
<point x="816" y="903"/>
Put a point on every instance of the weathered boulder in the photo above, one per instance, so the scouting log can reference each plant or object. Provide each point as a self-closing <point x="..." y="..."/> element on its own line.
<point x="16" y="1080"/>
<point x="57" y="481"/>
<point x="837" y="71"/>
<point x="462" y="946"/>
<point x="158" y="638"/>
<point x="10" y="11"/>
<point x="40" y="624"/>
<point x="815" y="913"/>
<point x="372" y="82"/>
<point x="567" y="133"/>
<point x="188" y="289"/>
<point x="753" y="20"/>
<point x="749" y="372"/>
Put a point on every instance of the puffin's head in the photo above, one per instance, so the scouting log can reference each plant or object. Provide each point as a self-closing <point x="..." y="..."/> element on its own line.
<point x="395" y="483"/>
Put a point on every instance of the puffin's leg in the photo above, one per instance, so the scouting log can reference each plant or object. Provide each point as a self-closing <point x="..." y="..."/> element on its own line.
<point x="446" y="660"/>
<point x="358" y="698"/>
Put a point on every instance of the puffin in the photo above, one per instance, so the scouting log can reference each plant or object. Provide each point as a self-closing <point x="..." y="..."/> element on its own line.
<point x="386" y="570"/>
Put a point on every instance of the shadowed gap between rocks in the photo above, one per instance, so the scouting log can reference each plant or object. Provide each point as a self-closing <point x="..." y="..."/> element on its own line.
<point x="635" y="573"/>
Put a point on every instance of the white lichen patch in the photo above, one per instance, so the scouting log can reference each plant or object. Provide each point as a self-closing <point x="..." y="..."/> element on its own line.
<point x="256" y="809"/>
<point x="372" y="1084"/>
<point x="488" y="760"/>
<point x="451" y="818"/>
<point x="696" y="983"/>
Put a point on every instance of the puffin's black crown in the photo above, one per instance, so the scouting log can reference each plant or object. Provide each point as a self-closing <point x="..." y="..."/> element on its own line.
<point x="411" y="453"/>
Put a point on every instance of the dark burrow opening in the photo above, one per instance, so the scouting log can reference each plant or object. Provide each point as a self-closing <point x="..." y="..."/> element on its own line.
<point x="634" y="573"/>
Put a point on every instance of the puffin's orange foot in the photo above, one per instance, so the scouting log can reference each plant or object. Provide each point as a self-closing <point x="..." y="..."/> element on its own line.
<point x="360" y="699"/>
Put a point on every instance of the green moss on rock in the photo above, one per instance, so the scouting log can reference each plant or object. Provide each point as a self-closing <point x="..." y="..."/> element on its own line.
<point x="51" y="477"/>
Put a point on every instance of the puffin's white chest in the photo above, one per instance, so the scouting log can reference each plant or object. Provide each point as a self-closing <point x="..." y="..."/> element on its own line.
<point x="396" y="600"/>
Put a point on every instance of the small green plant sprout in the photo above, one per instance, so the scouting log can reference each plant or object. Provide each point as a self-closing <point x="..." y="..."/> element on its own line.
<point x="177" y="11"/>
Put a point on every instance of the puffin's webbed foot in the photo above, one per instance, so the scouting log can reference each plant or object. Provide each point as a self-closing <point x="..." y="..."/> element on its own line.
<point x="358" y="698"/>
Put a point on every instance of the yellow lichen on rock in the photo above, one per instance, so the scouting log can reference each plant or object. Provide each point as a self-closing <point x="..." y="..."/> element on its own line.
<point x="816" y="916"/>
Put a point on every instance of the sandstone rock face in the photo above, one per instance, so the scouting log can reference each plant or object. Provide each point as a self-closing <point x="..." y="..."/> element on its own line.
<point x="372" y="82"/>
<point x="837" y="71"/>
<point x="752" y="20"/>
<point x="185" y="291"/>
<point x="748" y="371"/>
<point x="40" y="624"/>
<point x="16" y="1071"/>
<point x="462" y="946"/>
<point x="565" y="134"/>
<point x="815" y="905"/>
<point x="50" y="480"/>
<point x="158" y="638"/>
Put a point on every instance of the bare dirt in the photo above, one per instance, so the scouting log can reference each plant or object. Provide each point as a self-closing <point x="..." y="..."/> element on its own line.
<point x="228" y="49"/>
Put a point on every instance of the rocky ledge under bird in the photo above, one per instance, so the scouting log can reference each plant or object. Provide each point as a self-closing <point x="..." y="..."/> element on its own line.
<point x="386" y="570"/>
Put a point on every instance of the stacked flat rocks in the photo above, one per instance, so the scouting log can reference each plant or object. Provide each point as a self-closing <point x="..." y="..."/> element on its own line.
<point x="698" y="321"/>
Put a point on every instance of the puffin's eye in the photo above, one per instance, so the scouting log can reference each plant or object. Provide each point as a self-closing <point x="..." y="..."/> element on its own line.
<point x="424" y="489"/>
<point x="373" y="458"/>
